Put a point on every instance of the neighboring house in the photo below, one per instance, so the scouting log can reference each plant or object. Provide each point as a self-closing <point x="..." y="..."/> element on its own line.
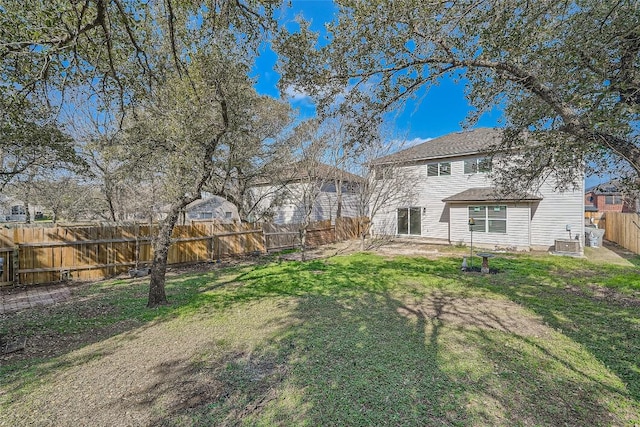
<point x="13" y="210"/>
<point x="212" y="208"/>
<point x="322" y="188"/>
<point x="450" y="184"/>
<point x="607" y="197"/>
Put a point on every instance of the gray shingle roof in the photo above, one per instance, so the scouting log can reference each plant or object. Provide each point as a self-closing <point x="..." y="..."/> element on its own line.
<point x="301" y="171"/>
<point x="488" y="194"/>
<point x="454" y="144"/>
<point x="608" y="188"/>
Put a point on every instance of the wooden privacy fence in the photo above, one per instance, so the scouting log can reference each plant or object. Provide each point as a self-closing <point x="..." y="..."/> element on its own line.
<point x="623" y="229"/>
<point x="45" y="255"/>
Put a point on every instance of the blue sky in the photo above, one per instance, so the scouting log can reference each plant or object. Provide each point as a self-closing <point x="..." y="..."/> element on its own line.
<point x="441" y="111"/>
<point x="438" y="113"/>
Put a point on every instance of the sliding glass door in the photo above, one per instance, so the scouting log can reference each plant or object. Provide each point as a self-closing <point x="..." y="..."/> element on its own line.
<point x="410" y="221"/>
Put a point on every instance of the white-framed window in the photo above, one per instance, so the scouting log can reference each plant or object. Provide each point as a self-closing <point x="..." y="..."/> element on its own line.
<point x="439" y="169"/>
<point x="228" y="215"/>
<point x="489" y="218"/>
<point x="383" y="172"/>
<point x="18" y="210"/>
<point x="410" y="221"/>
<point x="477" y="165"/>
<point x="612" y="200"/>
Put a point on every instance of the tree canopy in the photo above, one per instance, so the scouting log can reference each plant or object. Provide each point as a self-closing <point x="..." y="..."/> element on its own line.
<point x="31" y="144"/>
<point x="115" y="46"/>
<point x="568" y="71"/>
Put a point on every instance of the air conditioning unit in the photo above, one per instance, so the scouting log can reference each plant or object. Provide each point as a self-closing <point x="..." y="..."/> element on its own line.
<point x="567" y="246"/>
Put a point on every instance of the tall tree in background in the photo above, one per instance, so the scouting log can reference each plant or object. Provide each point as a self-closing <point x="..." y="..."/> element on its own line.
<point x="31" y="144"/>
<point x="569" y="71"/>
<point x="383" y="186"/>
<point x="258" y="152"/>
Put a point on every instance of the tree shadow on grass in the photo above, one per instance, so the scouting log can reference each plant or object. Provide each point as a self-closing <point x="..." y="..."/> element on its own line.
<point x="607" y="328"/>
<point x="373" y="359"/>
<point x="354" y="359"/>
<point x="359" y="354"/>
<point x="350" y="361"/>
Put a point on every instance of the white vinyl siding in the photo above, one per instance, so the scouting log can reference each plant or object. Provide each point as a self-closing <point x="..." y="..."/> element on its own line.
<point x="550" y="217"/>
<point x="529" y="224"/>
<point x="428" y="193"/>
<point x="287" y="207"/>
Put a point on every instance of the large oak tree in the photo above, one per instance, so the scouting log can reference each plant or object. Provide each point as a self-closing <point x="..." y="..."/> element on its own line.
<point x="570" y="70"/>
<point x="189" y="130"/>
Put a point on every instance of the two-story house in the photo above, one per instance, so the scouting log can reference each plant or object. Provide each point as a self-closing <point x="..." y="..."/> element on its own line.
<point x="323" y="191"/>
<point x="449" y="183"/>
<point x="607" y="197"/>
<point x="212" y="207"/>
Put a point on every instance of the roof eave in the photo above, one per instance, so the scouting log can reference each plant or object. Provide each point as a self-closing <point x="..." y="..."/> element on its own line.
<point x="528" y="199"/>
<point x="426" y="159"/>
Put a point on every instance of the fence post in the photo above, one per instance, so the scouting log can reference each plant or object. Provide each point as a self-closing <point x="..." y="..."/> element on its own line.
<point x="16" y="265"/>
<point x="210" y="246"/>
<point x="264" y="240"/>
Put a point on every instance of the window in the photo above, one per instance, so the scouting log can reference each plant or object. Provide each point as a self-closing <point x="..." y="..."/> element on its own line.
<point x="18" y="210"/>
<point x="439" y="169"/>
<point x="227" y="215"/>
<point x="478" y="165"/>
<point x="489" y="219"/>
<point x="613" y="200"/>
<point x="410" y="221"/>
<point x="384" y="172"/>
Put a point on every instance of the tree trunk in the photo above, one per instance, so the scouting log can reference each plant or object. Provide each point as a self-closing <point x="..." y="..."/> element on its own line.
<point x="364" y="230"/>
<point x="112" y="210"/>
<point x="339" y="198"/>
<point x="303" y="243"/>
<point x="27" y="218"/>
<point x="161" y="244"/>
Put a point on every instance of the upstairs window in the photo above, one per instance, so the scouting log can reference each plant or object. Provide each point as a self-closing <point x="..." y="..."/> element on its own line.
<point x="383" y="172"/>
<point x="478" y="165"/>
<point x="613" y="200"/>
<point x="18" y="210"/>
<point x="439" y="169"/>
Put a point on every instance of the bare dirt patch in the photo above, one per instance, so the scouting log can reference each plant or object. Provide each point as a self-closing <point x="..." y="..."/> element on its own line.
<point x="480" y="313"/>
<point x="147" y="374"/>
<point x="604" y="294"/>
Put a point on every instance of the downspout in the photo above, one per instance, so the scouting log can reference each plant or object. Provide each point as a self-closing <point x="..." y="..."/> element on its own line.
<point x="529" y="222"/>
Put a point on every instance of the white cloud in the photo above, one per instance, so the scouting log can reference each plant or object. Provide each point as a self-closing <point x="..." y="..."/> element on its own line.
<point x="294" y="95"/>
<point x="416" y="141"/>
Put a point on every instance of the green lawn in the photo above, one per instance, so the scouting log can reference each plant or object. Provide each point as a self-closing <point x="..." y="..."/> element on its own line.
<point x="351" y="340"/>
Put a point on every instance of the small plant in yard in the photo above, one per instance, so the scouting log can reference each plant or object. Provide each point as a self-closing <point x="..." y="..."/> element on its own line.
<point x="460" y="244"/>
<point x="349" y="340"/>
